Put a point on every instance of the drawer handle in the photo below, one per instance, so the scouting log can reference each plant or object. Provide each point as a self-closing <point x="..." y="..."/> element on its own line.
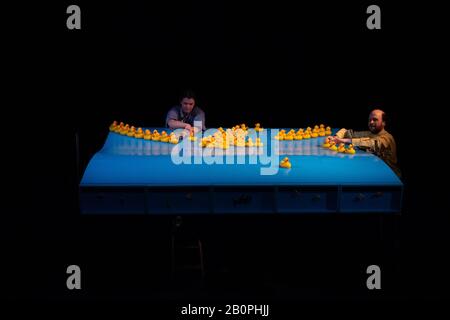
<point x="378" y="194"/>
<point x="360" y="197"/>
<point x="242" y="199"/>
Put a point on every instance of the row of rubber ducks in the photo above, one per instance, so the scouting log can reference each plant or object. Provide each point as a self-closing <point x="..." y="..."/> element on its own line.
<point x="300" y="134"/>
<point x="332" y="146"/>
<point x="139" y="133"/>
<point x="244" y="127"/>
<point x="238" y="133"/>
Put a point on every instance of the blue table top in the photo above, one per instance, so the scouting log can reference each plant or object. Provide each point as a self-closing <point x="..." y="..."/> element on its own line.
<point x="125" y="161"/>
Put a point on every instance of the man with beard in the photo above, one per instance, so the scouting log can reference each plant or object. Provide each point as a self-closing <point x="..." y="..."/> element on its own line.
<point x="377" y="140"/>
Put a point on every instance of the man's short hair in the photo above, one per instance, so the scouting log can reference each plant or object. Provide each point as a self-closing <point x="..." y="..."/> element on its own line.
<point x="384" y="117"/>
<point x="187" y="94"/>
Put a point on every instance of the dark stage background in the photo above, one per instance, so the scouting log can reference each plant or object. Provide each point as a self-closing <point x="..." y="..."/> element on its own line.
<point x="277" y="63"/>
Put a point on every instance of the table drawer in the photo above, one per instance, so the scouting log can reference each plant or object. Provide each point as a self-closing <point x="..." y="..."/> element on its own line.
<point x="178" y="200"/>
<point x="243" y="200"/>
<point x="301" y="199"/>
<point x="98" y="201"/>
<point x="370" y="199"/>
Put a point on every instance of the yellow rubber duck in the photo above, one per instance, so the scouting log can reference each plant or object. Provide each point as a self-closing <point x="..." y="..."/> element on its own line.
<point x="333" y="146"/>
<point x="341" y="148"/>
<point x="328" y="131"/>
<point x="173" y="138"/>
<point x="316" y="129"/>
<point x="285" y="163"/>
<point x="156" y="136"/>
<point x="326" y="143"/>
<point x="298" y="136"/>
<point x="131" y="132"/>
<point x="307" y="135"/>
<point x="124" y="130"/>
<point x="164" y="137"/>
<point x="322" y="133"/>
<point x="258" y="143"/>
<point x="314" y="135"/>
<point x="249" y="143"/>
<point x="147" y="135"/>
<point x="258" y="127"/>
<point x="240" y="142"/>
<point x="350" y="150"/>
<point x="113" y="126"/>
<point x="192" y="137"/>
<point x="139" y="133"/>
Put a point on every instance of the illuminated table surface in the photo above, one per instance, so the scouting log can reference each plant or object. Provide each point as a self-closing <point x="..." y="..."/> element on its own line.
<point x="359" y="181"/>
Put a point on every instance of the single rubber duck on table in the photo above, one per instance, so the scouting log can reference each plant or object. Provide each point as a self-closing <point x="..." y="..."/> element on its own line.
<point x="285" y="163"/>
<point x="147" y="135"/>
<point x="333" y="146"/>
<point x="341" y="148"/>
<point x="156" y="136"/>
<point x="350" y="150"/>
<point x="139" y="133"/>
<point x="164" y="137"/>
<point x="131" y="132"/>
<point x="173" y="138"/>
<point x="113" y="126"/>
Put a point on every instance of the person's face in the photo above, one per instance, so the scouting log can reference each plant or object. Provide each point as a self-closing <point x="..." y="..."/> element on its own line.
<point x="187" y="104"/>
<point x="376" y="123"/>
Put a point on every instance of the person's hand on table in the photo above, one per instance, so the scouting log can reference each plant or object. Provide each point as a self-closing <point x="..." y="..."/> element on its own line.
<point x="190" y="129"/>
<point x="340" y="140"/>
<point x="187" y="130"/>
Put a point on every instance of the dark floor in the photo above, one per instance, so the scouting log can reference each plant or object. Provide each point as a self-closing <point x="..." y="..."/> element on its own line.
<point x="277" y="259"/>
